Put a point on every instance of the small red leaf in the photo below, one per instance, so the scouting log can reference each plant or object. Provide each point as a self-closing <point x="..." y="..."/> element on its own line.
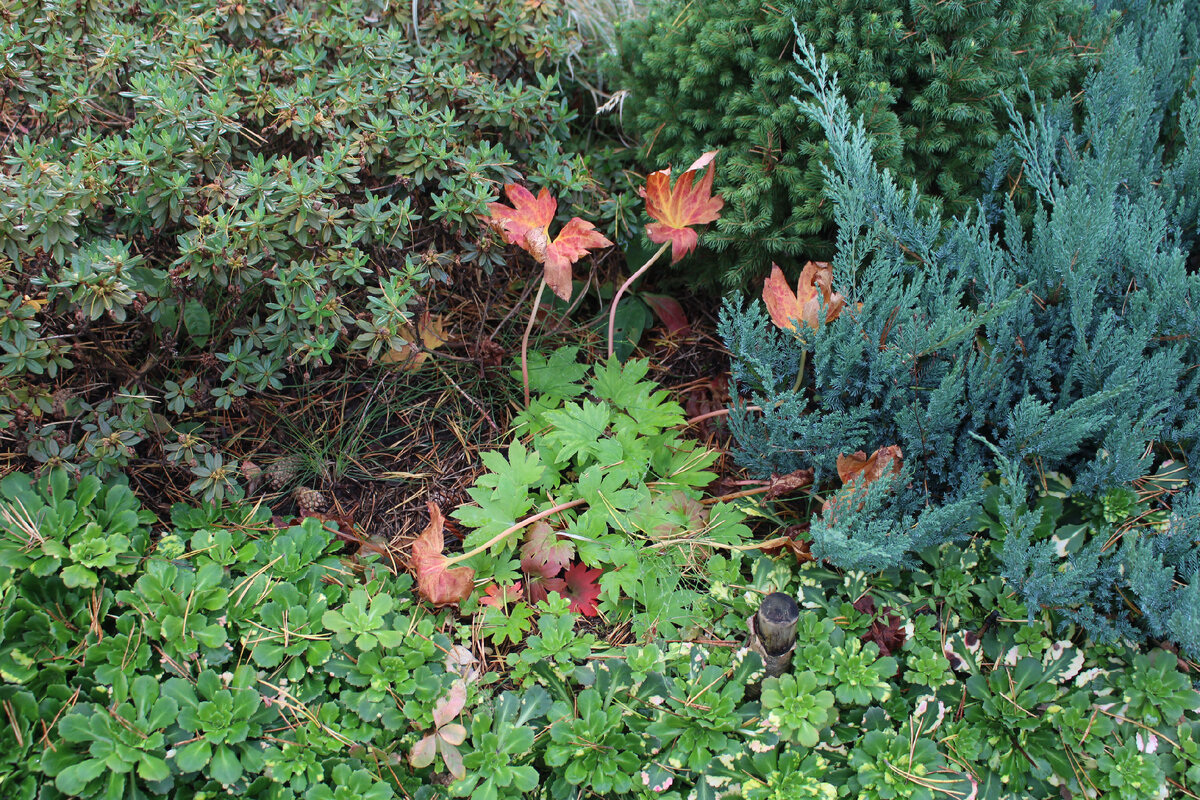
<point x="668" y="310"/>
<point x="582" y="589"/>
<point x="539" y="588"/>
<point x="436" y="582"/>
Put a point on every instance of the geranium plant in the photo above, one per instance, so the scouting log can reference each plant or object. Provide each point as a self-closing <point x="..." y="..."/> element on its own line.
<point x="675" y="210"/>
<point x="527" y="224"/>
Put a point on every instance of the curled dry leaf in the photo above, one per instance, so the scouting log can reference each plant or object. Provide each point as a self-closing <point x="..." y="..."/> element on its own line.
<point x="804" y="305"/>
<point x="871" y="468"/>
<point x="408" y="355"/>
<point x="437" y="583"/>
<point x="675" y="209"/>
<point x="786" y="484"/>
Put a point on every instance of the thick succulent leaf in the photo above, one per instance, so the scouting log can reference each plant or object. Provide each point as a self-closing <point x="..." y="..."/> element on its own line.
<point x="450" y="706"/>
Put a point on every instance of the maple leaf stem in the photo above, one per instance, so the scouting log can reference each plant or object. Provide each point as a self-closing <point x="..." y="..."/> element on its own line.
<point x="612" y="312"/>
<point x="504" y="534"/>
<point x="799" y="375"/>
<point x="537" y="301"/>
<point x="720" y="412"/>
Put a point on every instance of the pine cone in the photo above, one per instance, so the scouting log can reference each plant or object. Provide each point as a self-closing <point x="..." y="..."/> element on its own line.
<point x="283" y="471"/>
<point x="309" y="500"/>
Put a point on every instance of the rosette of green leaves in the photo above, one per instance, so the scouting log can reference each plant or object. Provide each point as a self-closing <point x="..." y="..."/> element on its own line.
<point x="224" y="718"/>
<point x="501" y="739"/>
<point x="124" y="744"/>
<point x="80" y="533"/>
<point x="594" y="740"/>
<point x="798" y="706"/>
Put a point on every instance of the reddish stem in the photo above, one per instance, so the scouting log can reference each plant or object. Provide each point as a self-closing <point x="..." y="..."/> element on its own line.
<point x="718" y="413"/>
<point x="612" y="313"/>
<point x="537" y="302"/>
<point x="504" y="534"/>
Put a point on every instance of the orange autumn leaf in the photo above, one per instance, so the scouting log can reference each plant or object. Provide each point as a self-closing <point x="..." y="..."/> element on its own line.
<point x="804" y="305"/>
<point x="502" y="597"/>
<point x="858" y="471"/>
<point x="870" y="468"/>
<point x="678" y="208"/>
<point x="527" y="224"/>
<point x="437" y="583"/>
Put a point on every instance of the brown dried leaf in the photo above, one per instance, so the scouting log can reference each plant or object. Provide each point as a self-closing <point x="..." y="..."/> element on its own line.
<point x="437" y="583"/>
<point x="786" y="484"/>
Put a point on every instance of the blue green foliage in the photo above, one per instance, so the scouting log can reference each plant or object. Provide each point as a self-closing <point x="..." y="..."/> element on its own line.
<point x="1065" y="337"/>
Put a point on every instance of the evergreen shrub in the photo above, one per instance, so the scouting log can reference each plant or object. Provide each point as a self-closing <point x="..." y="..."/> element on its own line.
<point x="1067" y="345"/>
<point x="925" y="76"/>
<point x="200" y="199"/>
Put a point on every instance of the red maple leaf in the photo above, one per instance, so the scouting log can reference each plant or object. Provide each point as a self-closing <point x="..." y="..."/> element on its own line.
<point x="527" y="224"/>
<point x="436" y="582"/>
<point x="498" y="596"/>
<point x="675" y="209"/>
<point x="581" y="589"/>
<point x="544" y="553"/>
<point x="539" y="587"/>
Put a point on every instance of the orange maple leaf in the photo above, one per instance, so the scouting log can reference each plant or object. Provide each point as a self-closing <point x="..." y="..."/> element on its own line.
<point x="675" y="209"/>
<point x="436" y="582"/>
<point x="869" y="468"/>
<point x="527" y="224"/>
<point x="858" y="470"/>
<point x="804" y="305"/>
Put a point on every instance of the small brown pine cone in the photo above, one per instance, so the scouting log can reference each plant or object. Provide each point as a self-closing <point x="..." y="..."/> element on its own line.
<point x="309" y="500"/>
<point x="283" y="471"/>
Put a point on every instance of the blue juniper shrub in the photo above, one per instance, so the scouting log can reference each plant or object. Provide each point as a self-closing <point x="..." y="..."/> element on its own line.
<point x="1065" y="344"/>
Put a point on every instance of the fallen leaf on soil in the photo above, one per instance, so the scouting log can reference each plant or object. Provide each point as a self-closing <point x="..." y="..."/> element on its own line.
<point x="437" y="583"/>
<point x="887" y="629"/>
<point x="669" y="312"/>
<point x="409" y="356"/>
